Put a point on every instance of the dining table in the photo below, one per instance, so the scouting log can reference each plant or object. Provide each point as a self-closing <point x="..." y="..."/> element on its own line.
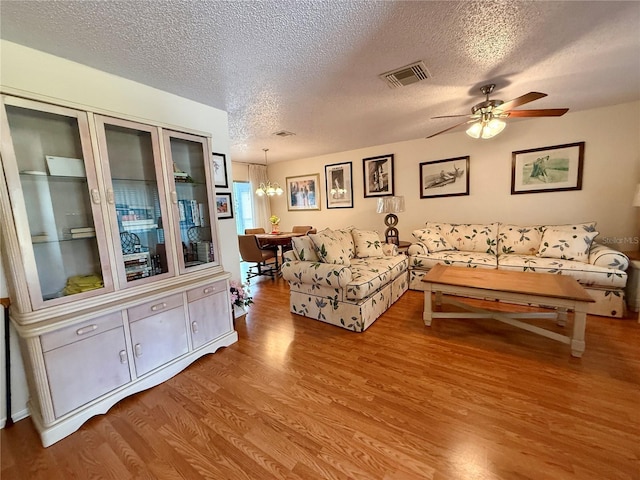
<point x="282" y="240"/>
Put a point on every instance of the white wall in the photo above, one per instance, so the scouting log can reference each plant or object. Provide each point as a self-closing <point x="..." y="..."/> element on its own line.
<point x="611" y="173"/>
<point x="35" y="73"/>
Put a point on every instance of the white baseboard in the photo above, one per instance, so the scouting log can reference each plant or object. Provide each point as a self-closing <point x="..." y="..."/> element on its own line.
<point x="16" y="417"/>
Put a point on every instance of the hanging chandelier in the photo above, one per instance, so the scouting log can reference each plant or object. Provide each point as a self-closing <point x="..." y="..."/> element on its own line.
<point x="269" y="189"/>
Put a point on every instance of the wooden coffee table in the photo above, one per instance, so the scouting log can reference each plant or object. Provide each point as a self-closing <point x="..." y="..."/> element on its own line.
<point x="542" y="289"/>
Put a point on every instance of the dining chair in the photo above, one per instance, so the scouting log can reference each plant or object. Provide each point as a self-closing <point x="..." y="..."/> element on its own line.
<point x="253" y="231"/>
<point x="302" y="229"/>
<point x="250" y="251"/>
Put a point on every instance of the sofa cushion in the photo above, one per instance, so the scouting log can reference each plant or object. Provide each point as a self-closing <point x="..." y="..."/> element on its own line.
<point x="523" y="239"/>
<point x="566" y="244"/>
<point x="328" y="248"/>
<point x="585" y="273"/>
<point x="305" y="249"/>
<point x="456" y="258"/>
<point x="367" y="243"/>
<point x="470" y="237"/>
<point x="315" y="273"/>
<point x="432" y="239"/>
<point x="370" y="274"/>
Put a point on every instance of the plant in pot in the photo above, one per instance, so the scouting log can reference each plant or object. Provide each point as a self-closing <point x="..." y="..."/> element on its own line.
<point x="240" y="298"/>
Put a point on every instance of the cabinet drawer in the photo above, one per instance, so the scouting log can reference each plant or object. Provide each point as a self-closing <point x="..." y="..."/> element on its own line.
<point x="200" y="292"/>
<point x="81" y="331"/>
<point x="153" y="308"/>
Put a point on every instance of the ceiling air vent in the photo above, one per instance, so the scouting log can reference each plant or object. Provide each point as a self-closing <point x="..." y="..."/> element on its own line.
<point x="416" y="72"/>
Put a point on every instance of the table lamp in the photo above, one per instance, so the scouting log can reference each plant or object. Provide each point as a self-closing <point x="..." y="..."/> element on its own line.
<point x="391" y="206"/>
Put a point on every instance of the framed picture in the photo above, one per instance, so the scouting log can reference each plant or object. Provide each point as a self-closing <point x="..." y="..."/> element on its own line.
<point x="224" y="205"/>
<point x="444" y="178"/>
<point x="339" y="178"/>
<point x="303" y="192"/>
<point x="220" y="170"/>
<point x="378" y="176"/>
<point x="547" y="169"/>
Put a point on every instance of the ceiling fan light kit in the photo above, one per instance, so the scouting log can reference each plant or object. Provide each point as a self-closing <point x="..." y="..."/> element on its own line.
<point x="487" y="117"/>
<point x="485" y="129"/>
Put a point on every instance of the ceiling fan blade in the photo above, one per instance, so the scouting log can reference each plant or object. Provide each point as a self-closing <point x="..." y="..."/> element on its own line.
<point x="545" y="112"/>
<point x="516" y="102"/>
<point x="450" y="116"/>
<point x="450" y="128"/>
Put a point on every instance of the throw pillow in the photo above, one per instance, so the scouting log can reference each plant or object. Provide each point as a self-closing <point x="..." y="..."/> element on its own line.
<point x="575" y="227"/>
<point x="432" y="239"/>
<point x="566" y="245"/>
<point x="367" y="243"/>
<point x="305" y="249"/>
<point x="329" y="249"/>
<point x="344" y="236"/>
<point x="520" y="239"/>
<point x="470" y="237"/>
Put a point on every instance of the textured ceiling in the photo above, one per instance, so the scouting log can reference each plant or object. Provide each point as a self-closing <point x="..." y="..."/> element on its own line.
<point x="311" y="67"/>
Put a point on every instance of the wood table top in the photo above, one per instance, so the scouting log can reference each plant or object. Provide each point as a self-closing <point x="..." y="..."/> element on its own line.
<point x="528" y="283"/>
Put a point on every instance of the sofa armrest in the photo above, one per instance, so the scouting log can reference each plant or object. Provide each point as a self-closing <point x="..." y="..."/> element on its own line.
<point x="417" y="249"/>
<point x="604" y="256"/>
<point x="322" y="274"/>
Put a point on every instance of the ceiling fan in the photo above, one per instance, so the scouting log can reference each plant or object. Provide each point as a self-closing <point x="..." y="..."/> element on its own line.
<point x="486" y="117"/>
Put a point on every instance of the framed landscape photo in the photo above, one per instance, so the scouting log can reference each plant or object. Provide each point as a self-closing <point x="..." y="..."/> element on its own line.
<point x="547" y="169"/>
<point x="378" y="176"/>
<point x="303" y="192"/>
<point x="338" y="177"/>
<point x="224" y="205"/>
<point x="444" y="178"/>
<point x="220" y="170"/>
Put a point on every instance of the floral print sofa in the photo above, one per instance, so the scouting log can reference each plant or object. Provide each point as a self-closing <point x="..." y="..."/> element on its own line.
<point x="347" y="277"/>
<point x="560" y="249"/>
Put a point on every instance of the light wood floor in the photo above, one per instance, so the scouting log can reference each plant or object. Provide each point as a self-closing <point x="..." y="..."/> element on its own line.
<point x="299" y="399"/>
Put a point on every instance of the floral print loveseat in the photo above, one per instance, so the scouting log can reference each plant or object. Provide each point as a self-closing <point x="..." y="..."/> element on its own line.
<point x="346" y="277"/>
<point x="560" y="249"/>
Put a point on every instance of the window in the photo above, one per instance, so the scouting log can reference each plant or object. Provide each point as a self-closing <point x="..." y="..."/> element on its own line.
<point x="243" y="206"/>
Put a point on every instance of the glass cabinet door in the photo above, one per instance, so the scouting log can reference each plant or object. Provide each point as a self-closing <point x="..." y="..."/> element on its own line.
<point x="136" y="194"/>
<point x="192" y="195"/>
<point x="50" y="171"/>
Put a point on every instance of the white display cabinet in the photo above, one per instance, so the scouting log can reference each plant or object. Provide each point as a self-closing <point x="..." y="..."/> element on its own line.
<point x="112" y="253"/>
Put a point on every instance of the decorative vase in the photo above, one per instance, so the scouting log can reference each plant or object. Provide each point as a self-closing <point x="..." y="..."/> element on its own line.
<point x="239" y="311"/>
<point x="275" y="228"/>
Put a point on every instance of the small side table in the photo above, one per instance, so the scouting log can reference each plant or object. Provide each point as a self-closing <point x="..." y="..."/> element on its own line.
<point x="632" y="290"/>
<point x="403" y="247"/>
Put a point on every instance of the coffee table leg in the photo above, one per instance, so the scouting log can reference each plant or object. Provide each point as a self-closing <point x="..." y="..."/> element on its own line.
<point x="579" y="325"/>
<point x="562" y="317"/>
<point x="426" y="314"/>
<point x="438" y="300"/>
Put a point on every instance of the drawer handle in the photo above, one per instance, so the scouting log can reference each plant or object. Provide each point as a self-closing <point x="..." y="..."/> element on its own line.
<point x="95" y="196"/>
<point x="194" y="327"/>
<point x="158" y="306"/>
<point x="208" y="290"/>
<point x="123" y="357"/>
<point x="138" y="350"/>
<point x="88" y="329"/>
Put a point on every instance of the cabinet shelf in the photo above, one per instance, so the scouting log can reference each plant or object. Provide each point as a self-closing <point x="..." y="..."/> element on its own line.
<point x="52" y="178"/>
<point x="58" y="240"/>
